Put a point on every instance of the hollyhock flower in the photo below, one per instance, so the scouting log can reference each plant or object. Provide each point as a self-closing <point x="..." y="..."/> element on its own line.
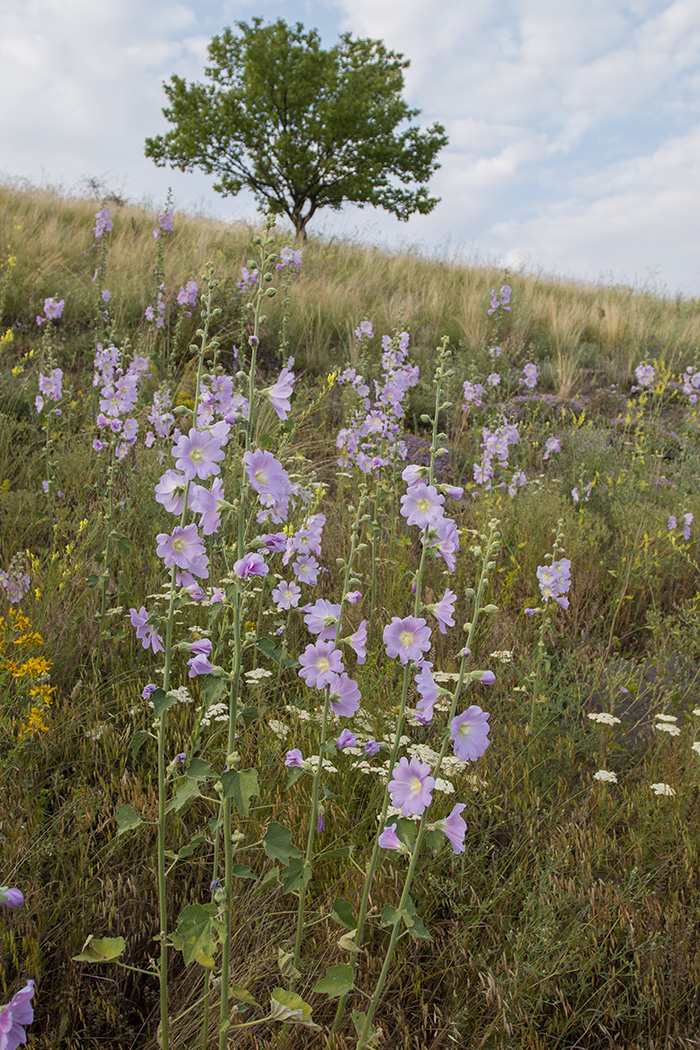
<point x="455" y="827"/>
<point x="429" y="692"/>
<point x="199" y="662"/>
<point x="470" y="733"/>
<point x="280" y="393"/>
<point x="170" y="491"/>
<point x="485" y="677"/>
<point x="250" y="565"/>
<point x="346" y="739"/>
<point x="530" y="376"/>
<point x="275" y="542"/>
<point x="53" y="308"/>
<point x="390" y="840"/>
<point x="11" y="897"/>
<point x="15" y="1016"/>
<point x="473" y="393"/>
<point x="148" y="690"/>
<point x="444" y="611"/>
<point x="183" y="548"/>
<point x="493" y="379"/>
<point x="322" y="619"/>
<point x="645" y="375"/>
<point x="294" y="758"/>
<point x="687" y="522"/>
<point x="411" y="787"/>
<point x="197" y="454"/>
<point x="266" y="476"/>
<point x="406" y="638"/>
<point x="344" y="696"/>
<point x="286" y="595"/>
<point x="445" y="541"/>
<point x="306" y="569"/>
<point x="145" y="632"/>
<point x="319" y="663"/>
<point x="422" y="505"/>
<point x="187" y="296"/>
<point x="453" y="491"/>
<point x="553" y="445"/>
<point x="672" y="522"/>
<point x="358" y="641"/>
<point x="372" y="748"/>
<point x="209" y="503"/>
<point x="289" y="257"/>
<point x="517" y="481"/>
<point x="103" y="222"/>
<point x="414" y="474"/>
<point x="353" y="597"/>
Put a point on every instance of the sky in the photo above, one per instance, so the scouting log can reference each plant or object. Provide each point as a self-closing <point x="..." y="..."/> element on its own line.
<point x="574" y="125"/>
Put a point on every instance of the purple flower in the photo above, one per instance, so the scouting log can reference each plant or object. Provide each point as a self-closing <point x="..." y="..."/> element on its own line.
<point x="344" y="696"/>
<point x="170" y="491"/>
<point x="103" y="222"/>
<point x="267" y="476"/>
<point x="346" y="739"/>
<point x="429" y="692"/>
<point x="183" y="548"/>
<point x="145" y="632"/>
<point x="50" y="386"/>
<point x="199" y="664"/>
<point x="470" y="733"/>
<point x="319" y="663"/>
<point x="555" y="580"/>
<point x="353" y="597"/>
<point x="148" y="690"/>
<point x="280" y="393"/>
<point x="358" y="641"/>
<point x="530" y="374"/>
<point x="444" y="611"/>
<point x="485" y="677"/>
<point x="407" y="638"/>
<point x="322" y="619"/>
<point x="445" y="541"/>
<point x="15" y="1016"/>
<point x="294" y="758"/>
<point x="187" y="296"/>
<point x="412" y="786"/>
<point x="645" y="375"/>
<point x="372" y="748"/>
<point x="687" y="522"/>
<point x="306" y="569"/>
<point x="455" y="827"/>
<point x="672" y="522"/>
<point x="289" y="257"/>
<point x="390" y="840"/>
<point x="422" y="505"/>
<point x="197" y="454"/>
<point x="286" y="595"/>
<point x="365" y="329"/>
<point x="53" y="308"/>
<point x="250" y="565"/>
<point x="11" y="897"/>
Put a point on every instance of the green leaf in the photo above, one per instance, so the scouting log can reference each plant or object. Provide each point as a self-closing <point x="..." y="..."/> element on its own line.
<point x="358" y="1019"/>
<point x="197" y="932"/>
<point x="414" y="923"/>
<point x="240" y="993"/>
<point x="106" y="949"/>
<point x="92" y="581"/>
<point x="277" y="843"/>
<point x="249" y="715"/>
<point x="240" y="785"/>
<point x="270" y="650"/>
<point x="191" y="847"/>
<point x="341" y="910"/>
<point x="296" y="874"/>
<point x="213" y="689"/>
<point x="137" y="741"/>
<point x="187" y="790"/>
<point x="270" y="878"/>
<point x="127" y="818"/>
<point x="124" y="545"/>
<point x="338" y="981"/>
<point x="390" y="916"/>
<point x="288" y="1006"/>
<point x="293" y="775"/>
<point x="162" y="701"/>
<point x="198" y="769"/>
<point x="242" y="871"/>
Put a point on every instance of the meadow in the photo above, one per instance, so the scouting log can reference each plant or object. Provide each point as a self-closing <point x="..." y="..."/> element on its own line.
<point x="349" y="644"/>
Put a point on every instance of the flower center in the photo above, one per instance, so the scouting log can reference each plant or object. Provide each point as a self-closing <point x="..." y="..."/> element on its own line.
<point x="196" y="455"/>
<point x="260" y="476"/>
<point x="464" y="729"/>
<point x="179" y="545"/>
<point x="323" y="663"/>
<point x="406" y="639"/>
<point x="423" y="505"/>
<point x="416" y="786"/>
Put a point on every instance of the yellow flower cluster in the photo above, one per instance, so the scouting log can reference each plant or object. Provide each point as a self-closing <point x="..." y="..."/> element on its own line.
<point x="17" y="640"/>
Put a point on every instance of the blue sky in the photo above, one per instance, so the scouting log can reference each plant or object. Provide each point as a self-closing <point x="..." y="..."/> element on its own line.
<point x="574" y="125"/>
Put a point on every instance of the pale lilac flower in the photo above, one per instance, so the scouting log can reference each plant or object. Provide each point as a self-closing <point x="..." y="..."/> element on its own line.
<point x="555" y="581"/>
<point x="553" y="444"/>
<point x="103" y="222"/>
<point x="687" y="522"/>
<point x="407" y="638"/>
<point x="455" y="827"/>
<point x="411" y="787"/>
<point x="445" y="541"/>
<point x="428" y="690"/>
<point x="294" y="758"/>
<point x="53" y="308"/>
<point x="208" y="503"/>
<point x="183" y="548"/>
<point x="187" y="296"/>
<point x="344" y="696"/>
<point x="443" y="611"/>
<point x="530" y="374"/>
<point x="319" y="663"/>
<point x="358" y="641"/>
<point x="517" y="481"/>
<point x="364" y="329"/>
<point x="390" y="840"/>
<point x="170" y="491"/>
<point x="197" y="454"/>
<point x="250" y="564"/>
<point x="322" y="619"/>
<point x="199" y="660"/>
<point x="494" y="379"/>
<point x="346" y="739"/>
<point x="280" y="393"/>
<point x="274" y="542"/>
<point x="266" y="475"/>
<point x="645" y="375"/>
<point x="11" y="897"/>
<point x="372" y="748"/>
<point x="15" y="1016"/>
<point x="470" y="733"/>
<point x="306" y="569"/>
<point x="148" y="690"/>
<point x="672" y="522"/>
<point x="286" y="595"/>
<point x="422" y="505"/>
<point x="50" y="386"/>
<point x="289" y="257"/>
<point x="145" y="632"/>
<point x="353" y="597"/>
<point x="473" y="393"/>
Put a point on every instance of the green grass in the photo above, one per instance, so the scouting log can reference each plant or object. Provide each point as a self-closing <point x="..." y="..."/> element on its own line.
<point x="572" y="918"/>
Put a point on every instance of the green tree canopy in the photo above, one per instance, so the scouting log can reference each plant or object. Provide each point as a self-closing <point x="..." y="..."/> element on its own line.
<point x="302" y="127"/>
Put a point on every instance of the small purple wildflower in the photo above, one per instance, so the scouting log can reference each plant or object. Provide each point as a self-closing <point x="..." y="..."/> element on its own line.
<point x="470" y="733"/>
<point x="411" y="787"/>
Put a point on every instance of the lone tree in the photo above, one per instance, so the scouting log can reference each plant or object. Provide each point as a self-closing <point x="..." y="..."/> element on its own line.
<point x="301" y="127"/>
